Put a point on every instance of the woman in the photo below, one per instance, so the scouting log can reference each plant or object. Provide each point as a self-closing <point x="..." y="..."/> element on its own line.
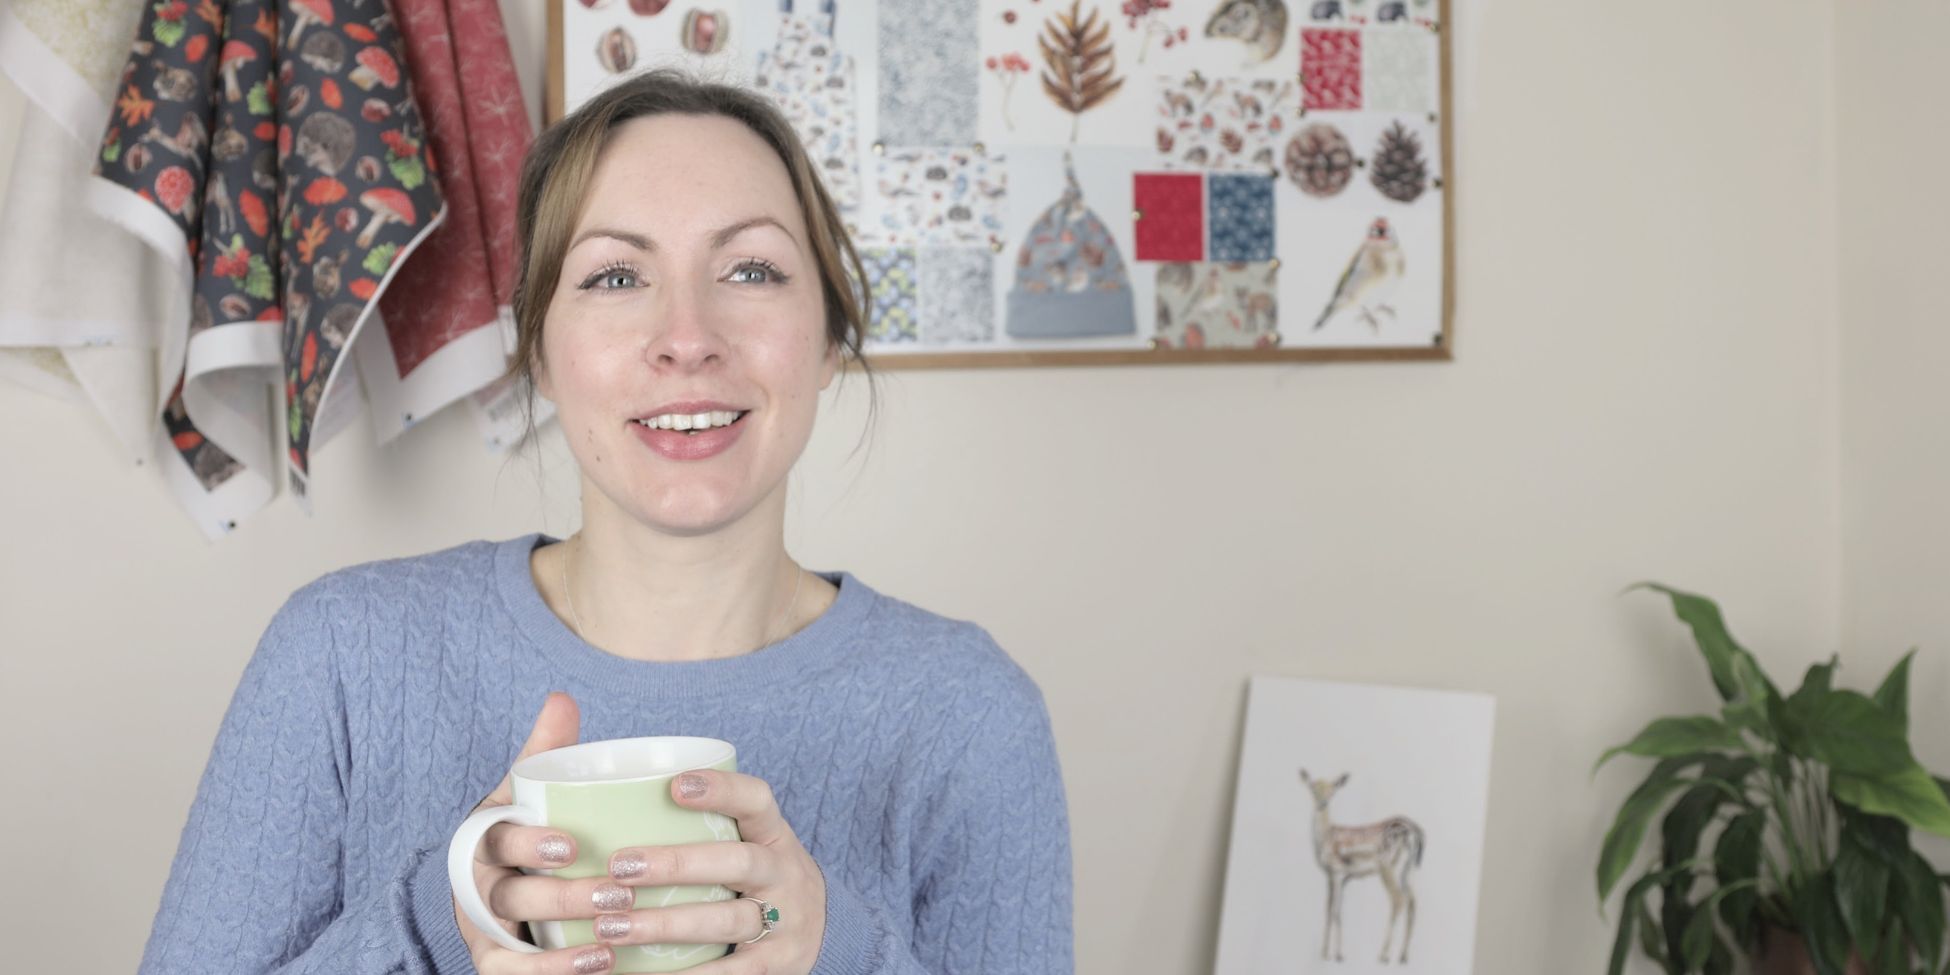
<point x="684" y="299"/>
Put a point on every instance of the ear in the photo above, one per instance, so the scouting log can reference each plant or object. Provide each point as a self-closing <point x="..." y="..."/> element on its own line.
<point x="1341" y="781"/>
<point x="1304" y="777"/>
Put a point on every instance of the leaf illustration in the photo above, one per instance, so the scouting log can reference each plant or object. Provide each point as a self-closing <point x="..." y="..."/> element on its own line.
<point x="1081" y="62"/>
<point x="380" y="258"/>
<point x="135" y="109"/>
<point x="315" y="234"/>
<point x="258" y="100"/>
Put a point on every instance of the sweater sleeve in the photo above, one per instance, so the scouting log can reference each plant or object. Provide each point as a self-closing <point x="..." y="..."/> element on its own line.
<point x="993" y="885"/>
<point x="256" y="884"/>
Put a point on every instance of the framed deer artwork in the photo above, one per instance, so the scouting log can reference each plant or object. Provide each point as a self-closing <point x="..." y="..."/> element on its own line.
<point x="1098" y="182"/>
<point x="1357" y="832"/>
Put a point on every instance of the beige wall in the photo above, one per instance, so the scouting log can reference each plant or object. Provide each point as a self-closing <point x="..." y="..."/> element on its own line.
<point x="1647" y="386"/>
<point x="1895" y="363"/>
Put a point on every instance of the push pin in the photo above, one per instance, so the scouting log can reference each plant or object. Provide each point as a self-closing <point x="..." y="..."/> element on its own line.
<point x="995" y="244"/>
<point x="1273" y="264"/>
<point x="1137" y="214"/>
<point x="981" y="150"/>
<point x="880" y="148"/>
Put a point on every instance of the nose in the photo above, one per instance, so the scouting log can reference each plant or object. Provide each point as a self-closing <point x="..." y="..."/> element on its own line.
<point x="687" y="336"/>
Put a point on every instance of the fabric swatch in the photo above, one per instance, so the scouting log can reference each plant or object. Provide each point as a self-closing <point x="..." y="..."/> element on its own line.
<point x="1330" y="68"/>
<point x="957" y="295"/>
<point x="929" y="94"/>
<point x="941" y="196"/>
<point x="1240" y="216"/>
<point x="814" y="83"/>
<point x="1397" y="66"/>
<point x="1170" y="216"/>
<point x="1207" y="305"/>
<point x="1224" y="123"/>
<point x="891" y="279"/>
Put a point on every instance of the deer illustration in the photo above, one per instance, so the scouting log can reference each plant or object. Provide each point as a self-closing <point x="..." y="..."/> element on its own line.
<point x="1388" y="849"/>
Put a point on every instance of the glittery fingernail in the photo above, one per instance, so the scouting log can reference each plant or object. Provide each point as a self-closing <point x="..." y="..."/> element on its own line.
<point x="690" y="786"/>
<point x="613" y="897"/>
<point x="596" y="958"/>
<point x="626" y="864"/>
<point x="612" y="926"/>
<point x="556" y="849"/>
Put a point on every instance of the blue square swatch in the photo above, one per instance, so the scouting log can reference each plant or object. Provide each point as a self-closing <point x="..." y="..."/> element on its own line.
<point x="1239" y="216"/>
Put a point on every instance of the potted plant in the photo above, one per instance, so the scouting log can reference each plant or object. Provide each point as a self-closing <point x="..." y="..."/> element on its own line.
<point x="1783" y="826"/>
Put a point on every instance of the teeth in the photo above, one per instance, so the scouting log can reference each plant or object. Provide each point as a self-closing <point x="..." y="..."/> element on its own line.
<point x="691" y="421"/>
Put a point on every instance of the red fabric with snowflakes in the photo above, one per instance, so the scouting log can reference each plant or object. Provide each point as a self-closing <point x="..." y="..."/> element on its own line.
<point x="478" y="130"/>
<point x="1170" y="216"/>
<point x="1330" y="68"/>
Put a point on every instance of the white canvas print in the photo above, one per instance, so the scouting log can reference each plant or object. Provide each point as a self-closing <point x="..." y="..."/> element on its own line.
<point x="1357" y="834"/>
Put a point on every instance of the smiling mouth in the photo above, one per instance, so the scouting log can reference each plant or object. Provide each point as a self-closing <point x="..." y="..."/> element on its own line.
<point x="692" y="424"/>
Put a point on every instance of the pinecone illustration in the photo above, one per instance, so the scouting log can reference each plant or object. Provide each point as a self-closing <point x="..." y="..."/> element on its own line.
<point x="1319" y="160"/>
<point x="1398" y="169"/>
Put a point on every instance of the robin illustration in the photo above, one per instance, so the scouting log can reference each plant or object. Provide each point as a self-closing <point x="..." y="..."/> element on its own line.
<point x="1371" y="277"/>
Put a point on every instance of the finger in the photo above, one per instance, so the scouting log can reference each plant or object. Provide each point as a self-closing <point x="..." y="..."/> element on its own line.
<point x="557" y="725"/>
<point x="582" y="960"/>
<point x="725" y="922"/>
<point x="553" y="899"/>
<point x="739" y="866"/>
<point x="745" y="798"/>
<point x="747" y="960"/>
<point x="534" y="847"/>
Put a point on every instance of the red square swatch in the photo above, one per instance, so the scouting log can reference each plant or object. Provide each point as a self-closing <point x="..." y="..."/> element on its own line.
<point x="1330" y="68"/>
<point x="1170" y="216"/>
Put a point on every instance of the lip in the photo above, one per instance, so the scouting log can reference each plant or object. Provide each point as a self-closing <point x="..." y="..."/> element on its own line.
<point x="684" y="446"/>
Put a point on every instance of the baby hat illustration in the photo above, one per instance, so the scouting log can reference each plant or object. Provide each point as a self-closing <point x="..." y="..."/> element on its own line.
<point x="1070" y="278"/>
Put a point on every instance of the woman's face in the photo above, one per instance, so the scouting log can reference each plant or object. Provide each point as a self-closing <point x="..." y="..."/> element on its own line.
<point x="685" y="347"/>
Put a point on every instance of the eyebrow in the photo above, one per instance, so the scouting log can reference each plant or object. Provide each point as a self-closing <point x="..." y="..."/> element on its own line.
<point x="719" y="238"/>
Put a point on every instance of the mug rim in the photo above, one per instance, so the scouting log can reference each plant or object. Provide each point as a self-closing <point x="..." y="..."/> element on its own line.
<point x="714" y="751"/>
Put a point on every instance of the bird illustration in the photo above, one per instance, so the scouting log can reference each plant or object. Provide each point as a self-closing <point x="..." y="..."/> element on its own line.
<point x="1372" y="276"/>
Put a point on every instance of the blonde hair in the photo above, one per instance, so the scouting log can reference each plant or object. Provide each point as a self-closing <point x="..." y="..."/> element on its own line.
<point x="556" y="176"/>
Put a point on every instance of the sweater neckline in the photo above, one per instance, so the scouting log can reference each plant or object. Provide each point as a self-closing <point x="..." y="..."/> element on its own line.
<point x="821" y="644"/>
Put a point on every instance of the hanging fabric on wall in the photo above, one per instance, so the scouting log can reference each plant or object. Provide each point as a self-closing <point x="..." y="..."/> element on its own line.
<point x="814" y="83"/>
<point x="288" y="173"/>
<point x="82" y="304"/>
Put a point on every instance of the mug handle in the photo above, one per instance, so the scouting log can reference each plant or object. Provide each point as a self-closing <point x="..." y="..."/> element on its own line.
<point x="460" y="870"/>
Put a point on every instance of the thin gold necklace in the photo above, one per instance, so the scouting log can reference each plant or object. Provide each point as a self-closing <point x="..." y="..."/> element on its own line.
<point x="575" y="618"/>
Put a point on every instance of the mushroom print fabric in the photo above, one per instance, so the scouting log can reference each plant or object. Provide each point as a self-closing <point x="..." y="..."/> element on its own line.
<point x="304" y="175"/>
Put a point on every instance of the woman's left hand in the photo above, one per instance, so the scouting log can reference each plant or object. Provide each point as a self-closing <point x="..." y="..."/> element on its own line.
<point x="769" y="864"/>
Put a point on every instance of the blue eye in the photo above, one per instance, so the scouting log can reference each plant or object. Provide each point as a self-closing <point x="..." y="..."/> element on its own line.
<point x="612" y="278"/>
<point x="756" y="271"/>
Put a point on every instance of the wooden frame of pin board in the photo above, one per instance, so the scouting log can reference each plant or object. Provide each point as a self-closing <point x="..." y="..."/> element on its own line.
<point x="1339" y="66"/>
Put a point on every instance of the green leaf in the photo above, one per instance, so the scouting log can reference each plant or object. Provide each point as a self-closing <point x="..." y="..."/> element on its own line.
<point x="111" y="152"/>
<point x="257" y="100"/>
<point x="380" y="258"/>
<point x="1628" y="830"/>
<point x="1700" y="936"/>
<point x="1919" y="902"/>
<point x="1850" y="733"/>
<point x="168" y="32"/>
<point x="1652" y="941"/>
<point x="1910" y="795"/>
<point x="1820" y="679"/>
<point x="1709" y="631"/>
<point x="1894" y="959"/>
<point x="1820" y="922"/>
<point x="1673" y="737"/>
<point x="1893" y="696"/>
<point x="407" y="170"/>
<point x="1687" y="820"/>
<point x="1736" y="858"/>
<point x="259" y="283"/>
<point x="1861" y="890"/>
<point x="1630" y="916"/>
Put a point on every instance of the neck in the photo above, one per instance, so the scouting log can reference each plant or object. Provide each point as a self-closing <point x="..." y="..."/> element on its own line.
<point x="647" y="595"/>
<point x="1323" y="833"/>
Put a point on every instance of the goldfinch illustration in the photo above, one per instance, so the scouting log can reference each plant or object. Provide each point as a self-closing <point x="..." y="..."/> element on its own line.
<point x="1371" y="277"/>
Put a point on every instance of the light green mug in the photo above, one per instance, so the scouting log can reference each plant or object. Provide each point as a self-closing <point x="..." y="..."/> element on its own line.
<point x="608" y="795"/>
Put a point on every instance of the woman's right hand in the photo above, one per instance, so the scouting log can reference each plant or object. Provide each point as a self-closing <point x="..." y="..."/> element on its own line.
<point x="515" y="897"/>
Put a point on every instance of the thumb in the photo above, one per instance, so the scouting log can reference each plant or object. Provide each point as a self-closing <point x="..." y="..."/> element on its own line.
<point x="558" y="724"/>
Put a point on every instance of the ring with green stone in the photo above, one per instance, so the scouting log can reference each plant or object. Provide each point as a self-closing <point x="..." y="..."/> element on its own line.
<point x="767" y="915"/>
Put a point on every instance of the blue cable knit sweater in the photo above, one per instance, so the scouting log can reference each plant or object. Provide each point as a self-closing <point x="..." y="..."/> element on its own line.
<point x="911" y="755"/>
